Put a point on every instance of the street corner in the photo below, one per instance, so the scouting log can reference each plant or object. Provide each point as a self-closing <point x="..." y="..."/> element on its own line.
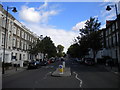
<point x="58" y="73"/>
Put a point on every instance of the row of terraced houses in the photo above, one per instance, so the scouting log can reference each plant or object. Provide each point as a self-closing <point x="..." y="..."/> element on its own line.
<point x="110" y="41"/>
<point x="19" y="40"/>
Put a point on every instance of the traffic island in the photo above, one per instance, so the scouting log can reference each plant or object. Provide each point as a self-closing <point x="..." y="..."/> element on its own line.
<point x="57" y="73"/>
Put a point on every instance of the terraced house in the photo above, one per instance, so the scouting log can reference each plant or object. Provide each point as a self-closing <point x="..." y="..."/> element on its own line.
<point x="112" y="39"/>
<point x="19" y="39"/>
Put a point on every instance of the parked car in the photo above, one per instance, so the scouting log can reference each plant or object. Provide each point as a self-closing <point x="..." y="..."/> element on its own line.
<point x="33" y="65"/>
<point x="62" y="59"/>
<point x="89" y="61"/>
<point x="43" y="63"/>
<point x="81" y="60"/>
<point x="52" y="60"/>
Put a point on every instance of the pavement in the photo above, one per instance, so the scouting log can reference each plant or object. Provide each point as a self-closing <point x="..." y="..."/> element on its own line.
<point x="13" y="71"/>
<point x="66" y="72"/>
<point x="108" y="68"/>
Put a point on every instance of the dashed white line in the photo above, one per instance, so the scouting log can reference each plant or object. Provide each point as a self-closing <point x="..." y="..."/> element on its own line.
<point x="78" y="79"/>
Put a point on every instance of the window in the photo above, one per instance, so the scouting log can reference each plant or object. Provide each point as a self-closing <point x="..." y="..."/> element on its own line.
<point x="23" y="56"/>
<point x="22" y="34"/>
<point x="10" y="37"/>
<point x="14" y="41"/>
<point x="113" y="39"/>
<point x="24" y="45"/>
<point x="20" y="57"/>
<point x="14" y="30"/>
<point x="106" y="42"/>
<point x="106" y="32"/>
<point x="21" y="44"/>
<point x="117" y="37"/>
<point x="3" y="22"/>
<point x="27" y="37"/>
<point x="10" y="25"/>
<point x="109" y="41"/>
<point x="113" y="27"/>
<point x="109" y="31"/>
<point x="18" y="43"/>
<point x="116" y="25"/>
<point x="18" y="32"/>
<point x="16" y="56"/>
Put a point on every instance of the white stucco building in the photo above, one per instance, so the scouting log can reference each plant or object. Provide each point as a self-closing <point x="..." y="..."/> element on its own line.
<point x="19" y="40"/>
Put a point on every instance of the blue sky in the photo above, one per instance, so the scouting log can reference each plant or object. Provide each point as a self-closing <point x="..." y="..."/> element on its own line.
<point x="70" y="12"/>
<point x="59" y="20"/>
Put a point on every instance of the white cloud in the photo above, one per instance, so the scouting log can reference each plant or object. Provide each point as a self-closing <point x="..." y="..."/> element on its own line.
<point x="29" y="14"/>
<point x="34" y="15"/>
<point x="36" y="20"/>
<point x="58" y="36"/>
<point x="79" y="25"/>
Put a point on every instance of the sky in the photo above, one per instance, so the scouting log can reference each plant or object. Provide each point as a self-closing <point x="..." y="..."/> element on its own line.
<point x="60" y="20"/>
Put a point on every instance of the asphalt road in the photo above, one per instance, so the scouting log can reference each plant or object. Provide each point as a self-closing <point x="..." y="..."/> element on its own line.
<point x="82" y="77"/>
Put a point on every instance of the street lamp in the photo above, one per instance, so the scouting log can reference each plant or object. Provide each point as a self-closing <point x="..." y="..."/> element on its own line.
<point x="14" y="10"/>
<point x="108" y="9"/>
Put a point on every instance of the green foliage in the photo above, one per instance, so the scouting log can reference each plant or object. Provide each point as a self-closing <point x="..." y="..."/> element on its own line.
<point x="35" y="49"/>
<point x="47" y="46"/>
<point x="90" y="38"/>
<point x="95" y="40"/>
<point x="73" y="50"/>
<point x="60" y="49"/>
<point x="84" y="46"/>
<point x="92" y="25"/>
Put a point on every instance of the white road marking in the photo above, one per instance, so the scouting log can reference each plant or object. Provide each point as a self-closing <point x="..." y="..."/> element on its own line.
<point x="78" y="79"/>
<point x="47" y="75"/>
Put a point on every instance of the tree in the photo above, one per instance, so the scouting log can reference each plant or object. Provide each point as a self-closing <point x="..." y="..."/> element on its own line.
<point x="60" y="49"/>
<point x="34" y="48"/>
<point x="73" y="50"/>
<point x="95" y="42"/>
<point x="46" y="46"/>
<point x="91" y="25"/>
<point x="91" y="36"/>
<point x="83" y="46"/>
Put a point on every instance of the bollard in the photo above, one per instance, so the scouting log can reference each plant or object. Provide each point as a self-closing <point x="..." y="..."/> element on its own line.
<point x="63" y="64"/>
<point x="61" y="69"/>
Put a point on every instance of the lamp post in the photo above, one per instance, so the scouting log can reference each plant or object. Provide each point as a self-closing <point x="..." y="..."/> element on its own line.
<point x="3" y="65"/>
<point x="108" y="9"/>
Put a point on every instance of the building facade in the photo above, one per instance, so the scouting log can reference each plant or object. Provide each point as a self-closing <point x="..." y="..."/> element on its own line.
<point x="19" y="39"/>
<point x="112" y="40"/>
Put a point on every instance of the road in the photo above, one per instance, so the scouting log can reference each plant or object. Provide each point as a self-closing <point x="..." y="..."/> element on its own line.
<point x="82" y="77"/>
